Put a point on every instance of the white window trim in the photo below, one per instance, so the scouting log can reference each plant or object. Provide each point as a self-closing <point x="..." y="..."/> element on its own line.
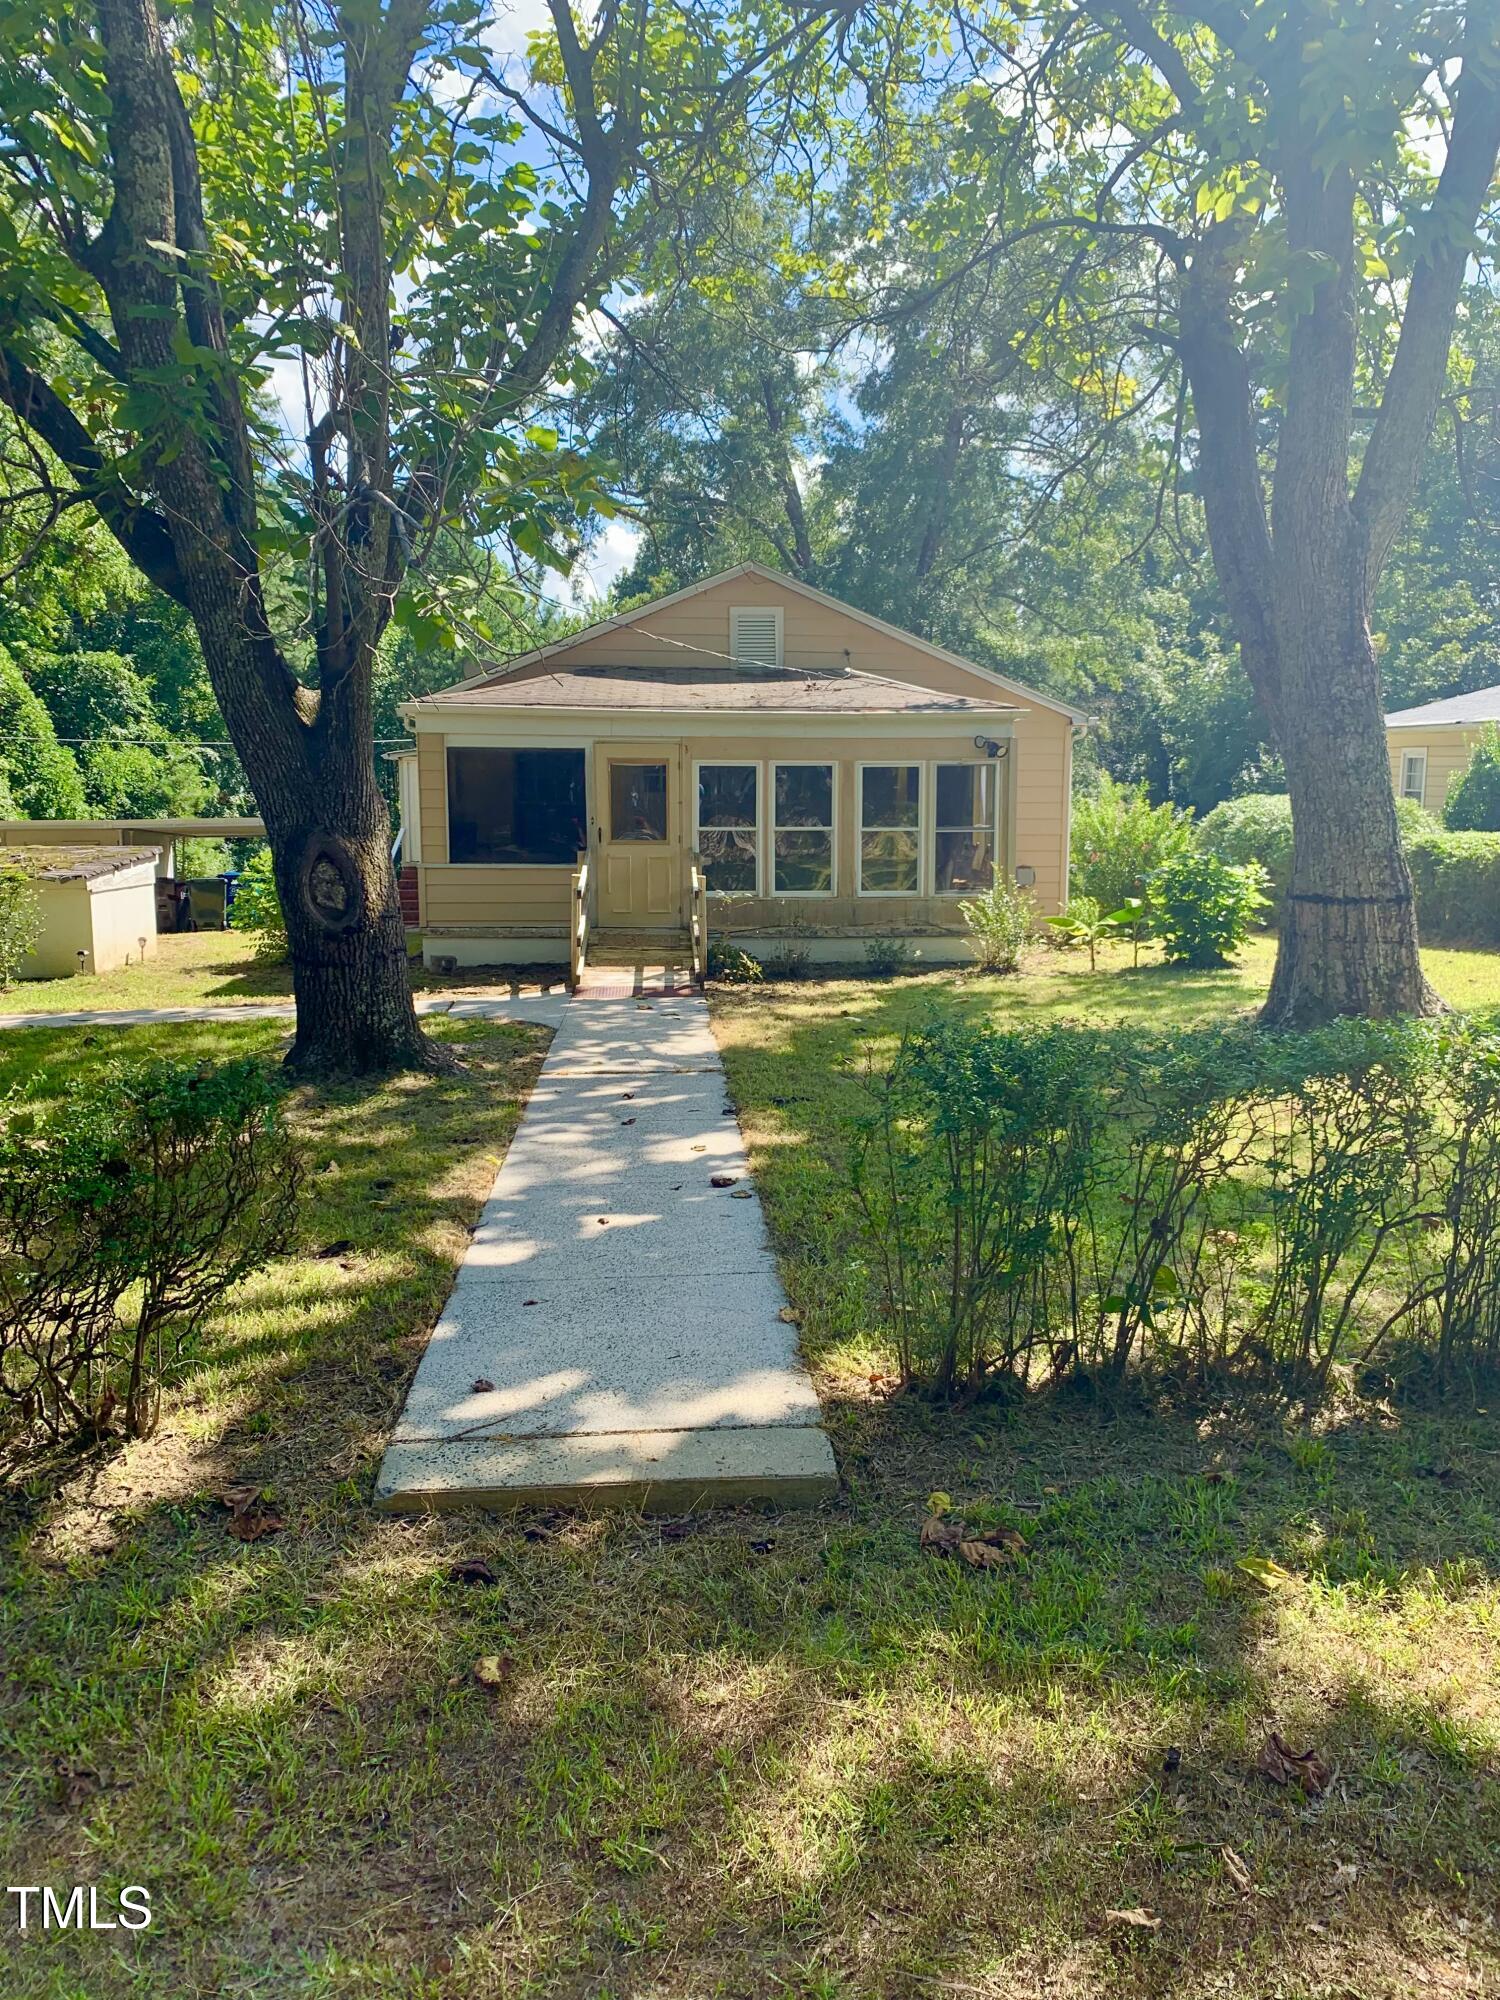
<point x="773" y="611"/>
<point x="761" y="816"/>
<point x="997" y="764"/>
<point x="832" y="766"/>
<point x="924" y="795"/>
<point x="1419" y="759"/>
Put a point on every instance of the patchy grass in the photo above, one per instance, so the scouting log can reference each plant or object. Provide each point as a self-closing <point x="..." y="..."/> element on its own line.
<point x="219" y="969"/>
<point x="765" y="1756"/>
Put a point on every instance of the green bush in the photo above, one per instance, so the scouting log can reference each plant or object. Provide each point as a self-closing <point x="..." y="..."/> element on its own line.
<point x="1202" y="908"/>
<point x="20" y="921"/>
<point x="127" y="1210"/>
<point x="257" y="908"/>
<point x="1000" y="924"/>
<point x="1120" y="839"/>
<point x="1474" y="797"/>
<point x="1457" y="880"/>
<point x="887" y="958"/>
<point x="1195" y="1206"/>
<point x="733" y="967"/>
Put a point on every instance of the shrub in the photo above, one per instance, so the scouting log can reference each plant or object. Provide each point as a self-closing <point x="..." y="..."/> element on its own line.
<point x="257" y="908"/>
<point x="733" y="967"/>
<point x="126" y="1212"/>
<point x="1120" y="839"/>
<point x="1202" y="908"/>
<point x="886" y="958"/>
<point x="1191" y="1205"/>
<point x="20" y="921"/>
<point x="1474" y="797"/>
<point x="1000" y="924"/>
<point x="1457" y="880"/>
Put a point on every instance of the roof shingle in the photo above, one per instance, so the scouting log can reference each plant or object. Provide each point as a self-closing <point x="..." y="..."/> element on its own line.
<point x="733" y="690"/>
<point x="1480" y="705"/>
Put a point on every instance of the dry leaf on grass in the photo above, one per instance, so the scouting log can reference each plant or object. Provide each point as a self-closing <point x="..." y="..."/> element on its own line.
<point x="1141" y="1920"/>
<point x="1307" y="1768"/>
<point x="472" y="1570"/>
<point x="493" y="1670"/>
<point x="249" y="1517"/>
<point x="943" y="1537"/>
<point x="1264" y="1571"/>
<point x="789" y="1316"/>
<point x="1236" y="1870"/>
<point x="992" y="1549"/>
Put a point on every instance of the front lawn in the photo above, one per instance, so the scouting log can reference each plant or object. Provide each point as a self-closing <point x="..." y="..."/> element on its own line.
<point x="746" y="1756"/>
<point x="219" y="969"/>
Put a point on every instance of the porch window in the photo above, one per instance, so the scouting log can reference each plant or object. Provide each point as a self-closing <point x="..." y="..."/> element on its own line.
<point x="968" y="797"/>
<point x="802" y="829"/>
<point x="516" y="808"/>
<point x="1414" y="776"/>
<point x="890" y="812"/>
<point x="637" y="801"/>
<point x="728" y="835"/>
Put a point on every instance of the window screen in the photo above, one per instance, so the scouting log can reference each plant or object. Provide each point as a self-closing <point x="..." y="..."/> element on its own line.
<point x="637" y="801"/>
<point x="802" y="833"/>
<point x="964" y="828"/>
<point x="516" y="808"/>
<point x="728" y="827"/>
<point x="889" y="812"/>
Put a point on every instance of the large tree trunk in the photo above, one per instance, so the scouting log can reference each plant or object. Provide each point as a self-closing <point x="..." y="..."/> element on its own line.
<point x="1348" y="941"/>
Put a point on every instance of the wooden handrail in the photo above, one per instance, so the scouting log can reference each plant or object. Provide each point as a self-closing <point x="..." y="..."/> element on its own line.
<point x="698" y="916"/>
<point x="578" y="935"/>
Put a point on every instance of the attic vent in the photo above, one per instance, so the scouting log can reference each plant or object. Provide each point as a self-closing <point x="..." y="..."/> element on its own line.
<point x="755" y="635"/>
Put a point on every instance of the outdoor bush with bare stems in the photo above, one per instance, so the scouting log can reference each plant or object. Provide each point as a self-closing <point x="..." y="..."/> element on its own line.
<point x="126" y="1212"/>
<point x="1204" y="1207"/>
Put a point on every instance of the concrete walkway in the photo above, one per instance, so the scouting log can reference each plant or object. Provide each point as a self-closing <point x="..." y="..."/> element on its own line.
<point x="545" y="1008"/>
<point x="617" y="1334"/>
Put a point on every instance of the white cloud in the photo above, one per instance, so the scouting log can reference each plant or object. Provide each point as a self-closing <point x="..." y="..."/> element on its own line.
<point x="610" y="556"/>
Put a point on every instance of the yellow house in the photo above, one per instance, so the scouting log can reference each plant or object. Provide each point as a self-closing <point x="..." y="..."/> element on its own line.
<point x="825" y="777"/>
<point x="1431" y="745"/>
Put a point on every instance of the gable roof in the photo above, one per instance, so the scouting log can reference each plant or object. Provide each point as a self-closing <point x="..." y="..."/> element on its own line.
<point x="719" y="689"/>
<point x="1031" y="697"/>
<point x="1480" y="705"/>
<point x="74" y="864"/>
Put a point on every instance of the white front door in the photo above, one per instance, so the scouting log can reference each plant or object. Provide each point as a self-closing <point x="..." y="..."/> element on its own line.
<point x="638" y="817"/>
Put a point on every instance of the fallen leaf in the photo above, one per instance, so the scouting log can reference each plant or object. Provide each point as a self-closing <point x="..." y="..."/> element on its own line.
<point x="627" y="1121"/>
<point x="698" y="1149"/>
<point x="1266" y="1572"/>
<point x="1283" y="1766"/>
<point x="77" y="1783"/>
<point x="940" y="1503"/>
<point x="481" y="1385"/>
<point x="542" y="1527"/>
<point x="675" y="1188"/>
<point x="1236" y="1870"/>
<point x="941" y="1536"/>
<point x="722" y="1180"/>
<point x="626" y="1095"/>
<point x="472" y="1570"/>
<point x="493" y="1670"/>
<point x="985" y="1554"/>
<point x="1009" y="1539"/>
<point x="239" y="1498"/>
<point x="253" y="1524"/>
<point x="743" y="1194"/>
<point x="789" y="1317"/>
<point x="1345" y="1875"/>
<point x="531" y="1302"/>
<point x="1141" y="1920"/>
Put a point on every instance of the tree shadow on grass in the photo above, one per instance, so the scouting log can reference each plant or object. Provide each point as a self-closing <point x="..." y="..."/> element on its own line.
<point x="752" y="1755"/>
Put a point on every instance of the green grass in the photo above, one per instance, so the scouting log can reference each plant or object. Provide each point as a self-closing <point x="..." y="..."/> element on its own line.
<point x="218" y="969"/>
<point x="786" y="1756"/>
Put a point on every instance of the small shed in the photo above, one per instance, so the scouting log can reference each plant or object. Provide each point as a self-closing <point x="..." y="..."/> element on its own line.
<point x="98" y="906"/>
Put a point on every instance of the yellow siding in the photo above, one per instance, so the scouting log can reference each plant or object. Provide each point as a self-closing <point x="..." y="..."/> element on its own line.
<point x="1448" y="753"/>
<point x="432" y="777"/>
<point x="471" y="894"/>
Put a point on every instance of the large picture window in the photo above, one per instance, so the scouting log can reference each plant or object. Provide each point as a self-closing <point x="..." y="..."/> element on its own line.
<point x="516" y="808"/>
<point x="802" y="829"/>
<point x="964" y="817"/>
<point x="728" y="836"/>
<point x="890" y="814"/>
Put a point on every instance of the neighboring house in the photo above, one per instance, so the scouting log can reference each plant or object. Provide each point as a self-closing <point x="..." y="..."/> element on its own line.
<point x="98" y="907"/>
<point x="841" y="780"/>
<point x="1432" y="744"/>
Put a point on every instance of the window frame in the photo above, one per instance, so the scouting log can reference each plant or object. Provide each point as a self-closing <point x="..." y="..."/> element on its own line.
<point x="1419" y="759"/>
<point x="832" y="766"/>
<point x="997" y="765"/>
<point x="921" y="767"/>
<point x="585" y="750"/>
<point x="756" y="765"/>
<point x="772" y="611"/>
